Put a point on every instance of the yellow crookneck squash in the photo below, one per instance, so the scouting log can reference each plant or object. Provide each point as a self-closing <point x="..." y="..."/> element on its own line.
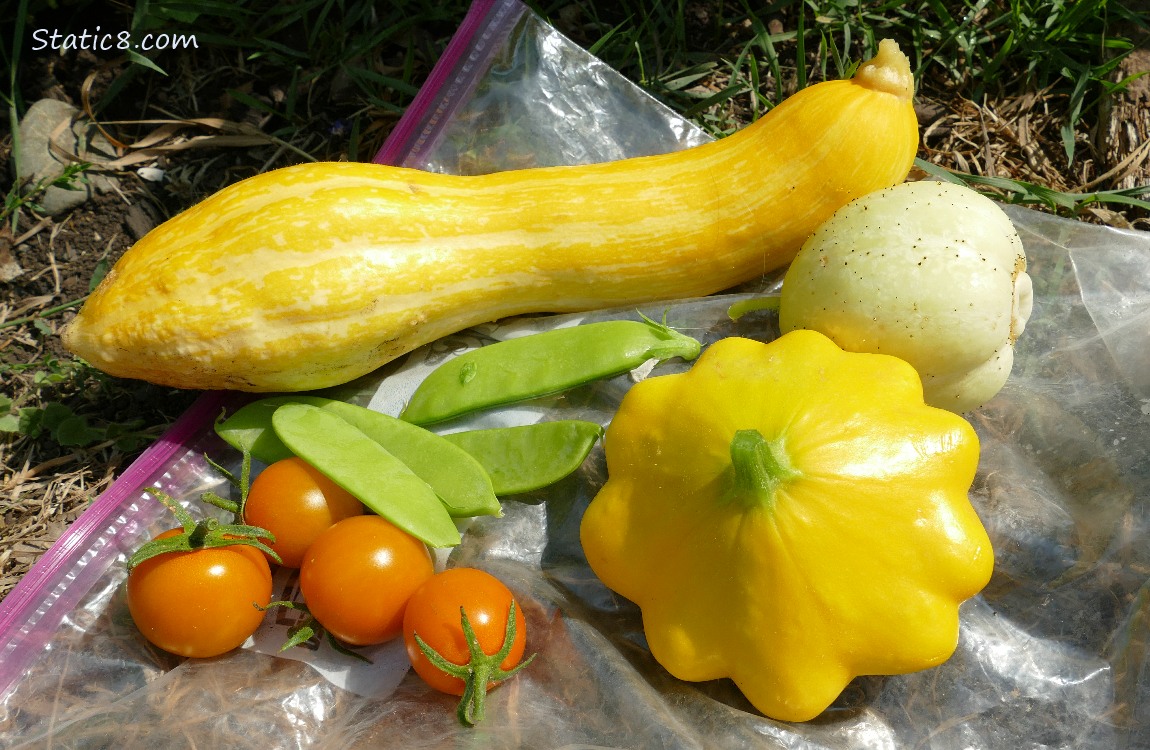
<point x="791" y="516"/>
<point x="311" y="275"/>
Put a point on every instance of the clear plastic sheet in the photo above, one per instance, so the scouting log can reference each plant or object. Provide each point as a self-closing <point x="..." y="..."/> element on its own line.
<point x="1053" y="654"/>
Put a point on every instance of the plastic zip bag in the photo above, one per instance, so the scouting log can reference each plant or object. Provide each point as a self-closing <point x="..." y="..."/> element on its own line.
<point x="1052" y="654"/>
<point x="504" y="75"/>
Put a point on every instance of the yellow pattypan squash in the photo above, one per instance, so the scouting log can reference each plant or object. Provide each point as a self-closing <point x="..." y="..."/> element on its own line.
<point x="791" y="516"/>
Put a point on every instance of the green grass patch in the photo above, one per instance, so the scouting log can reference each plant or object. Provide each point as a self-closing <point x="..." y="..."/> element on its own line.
<point x="721" y="63"/>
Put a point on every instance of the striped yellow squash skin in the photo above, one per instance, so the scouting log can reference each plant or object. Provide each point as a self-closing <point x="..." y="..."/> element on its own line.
<point x="311" y="275"/>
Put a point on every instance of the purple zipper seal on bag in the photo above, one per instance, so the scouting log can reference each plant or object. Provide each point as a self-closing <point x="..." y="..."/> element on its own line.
<point x="32" y="611"/>
<point x="457" y="72"/>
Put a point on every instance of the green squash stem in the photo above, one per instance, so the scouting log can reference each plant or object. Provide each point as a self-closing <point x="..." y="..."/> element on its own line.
<point x="759" y="470"/>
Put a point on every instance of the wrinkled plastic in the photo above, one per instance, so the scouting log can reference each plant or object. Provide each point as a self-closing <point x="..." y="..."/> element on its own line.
<point x="1052" y="654"/>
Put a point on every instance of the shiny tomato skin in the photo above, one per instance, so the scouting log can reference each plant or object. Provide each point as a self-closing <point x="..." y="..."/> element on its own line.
<point x="201" y="603"/>
<point x="295" y="502"/>
<point x="433" y="614"/>
<point x="357" y="576"/>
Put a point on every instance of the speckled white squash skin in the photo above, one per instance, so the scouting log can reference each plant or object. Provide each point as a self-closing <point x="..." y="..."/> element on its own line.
<point x="931" y="272"/>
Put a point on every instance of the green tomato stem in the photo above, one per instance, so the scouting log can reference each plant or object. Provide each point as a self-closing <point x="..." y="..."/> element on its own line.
<point x="480" y="670"/>
<point x="207" y="532"/>
<point x="310" y="628"/>
<point x="199" y="535"/>
<point x="242" y="483"/>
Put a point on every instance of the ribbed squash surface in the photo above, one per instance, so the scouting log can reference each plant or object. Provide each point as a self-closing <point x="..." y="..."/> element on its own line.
<point x="311" y="275"/>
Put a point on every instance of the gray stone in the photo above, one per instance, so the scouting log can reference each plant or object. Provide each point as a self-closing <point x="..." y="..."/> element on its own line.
<point x="36" y="160"/>
<point x="9" y="268"/>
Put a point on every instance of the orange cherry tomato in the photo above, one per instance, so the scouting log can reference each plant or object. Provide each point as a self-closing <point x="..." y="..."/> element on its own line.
<point x="295" y="502"/>
<point x="357" y="576"/>
<point x="200" y="603"/>
<point x="433" y="613"/>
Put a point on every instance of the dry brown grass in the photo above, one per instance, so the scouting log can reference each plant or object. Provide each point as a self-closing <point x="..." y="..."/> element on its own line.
<point x="39" y="502"/>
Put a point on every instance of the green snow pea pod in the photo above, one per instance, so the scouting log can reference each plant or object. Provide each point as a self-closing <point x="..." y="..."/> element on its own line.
<point x="541" y="364"/>
<point x="460" y="481"/>
<point x="526" y="458"/>
<point x="367" y="470"/>
<point x="249" y="428"/>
